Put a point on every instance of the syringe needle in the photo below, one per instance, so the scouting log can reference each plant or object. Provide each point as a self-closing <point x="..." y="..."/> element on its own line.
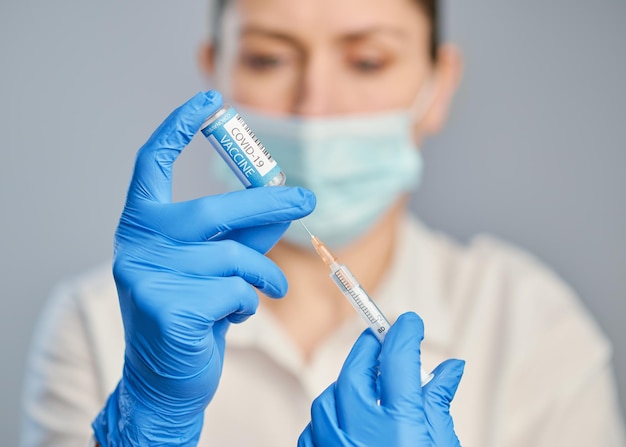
<point x="305" y="227"/>
<point x="324" y="252"/>
<point x="321" y="248"/>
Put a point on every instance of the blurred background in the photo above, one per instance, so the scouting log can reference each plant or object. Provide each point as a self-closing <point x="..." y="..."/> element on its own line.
<point x="534" y="153"/>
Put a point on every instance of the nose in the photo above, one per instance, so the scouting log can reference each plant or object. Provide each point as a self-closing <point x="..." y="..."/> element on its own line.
<point x="315" y="89"/>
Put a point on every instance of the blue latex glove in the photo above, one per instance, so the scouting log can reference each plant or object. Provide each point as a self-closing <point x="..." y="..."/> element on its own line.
<point x="347" y="412"/>
<point x="184" y="271"/>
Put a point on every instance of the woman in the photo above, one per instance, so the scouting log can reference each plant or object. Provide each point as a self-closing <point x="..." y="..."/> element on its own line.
<point x="538" y="370"/>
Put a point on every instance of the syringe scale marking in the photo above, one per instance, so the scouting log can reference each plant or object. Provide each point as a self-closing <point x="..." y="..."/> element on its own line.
<point x="348" y="287"/>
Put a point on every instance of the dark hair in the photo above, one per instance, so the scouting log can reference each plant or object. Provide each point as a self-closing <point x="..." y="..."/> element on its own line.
<point x="430" y="8"/>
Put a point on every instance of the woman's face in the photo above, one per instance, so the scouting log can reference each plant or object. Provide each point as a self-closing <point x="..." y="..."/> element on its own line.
<point x="324" y="57"/>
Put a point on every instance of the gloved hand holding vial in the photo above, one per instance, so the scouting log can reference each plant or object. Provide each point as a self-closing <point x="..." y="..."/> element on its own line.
<point x="178" y="292"/>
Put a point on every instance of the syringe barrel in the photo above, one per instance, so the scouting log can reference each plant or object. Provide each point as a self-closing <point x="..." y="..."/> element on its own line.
<point x="361" y="301"/>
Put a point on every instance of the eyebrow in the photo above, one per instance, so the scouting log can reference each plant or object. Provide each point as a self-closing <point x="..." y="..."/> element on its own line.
<point x="374" y="30"/>
<point x="264" y="32"/>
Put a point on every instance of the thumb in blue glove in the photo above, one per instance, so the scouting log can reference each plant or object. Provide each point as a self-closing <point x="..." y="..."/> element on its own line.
<point x="183" y="272"/>
<point x="438" y="395"/>
<point x="378" y="398"/>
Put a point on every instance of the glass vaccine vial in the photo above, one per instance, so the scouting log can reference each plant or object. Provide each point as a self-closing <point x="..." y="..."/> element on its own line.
<point x="242" y="151"/>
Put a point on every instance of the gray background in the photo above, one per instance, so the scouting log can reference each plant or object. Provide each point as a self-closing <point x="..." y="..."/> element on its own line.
<point x="534" y="151"/>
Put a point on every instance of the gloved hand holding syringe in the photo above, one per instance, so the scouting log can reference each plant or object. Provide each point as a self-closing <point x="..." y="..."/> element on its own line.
<point x="254" y="166"/>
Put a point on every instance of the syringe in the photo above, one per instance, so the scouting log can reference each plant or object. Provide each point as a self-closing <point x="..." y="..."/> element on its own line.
<point x="356" y="295"/>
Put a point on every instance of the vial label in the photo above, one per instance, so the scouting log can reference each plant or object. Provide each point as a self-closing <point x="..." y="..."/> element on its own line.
<point x="241" y="150"/>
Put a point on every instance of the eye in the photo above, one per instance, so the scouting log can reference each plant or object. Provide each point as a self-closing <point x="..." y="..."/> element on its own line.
<point x="368" y="65"/>
<point x="262" y="62"/>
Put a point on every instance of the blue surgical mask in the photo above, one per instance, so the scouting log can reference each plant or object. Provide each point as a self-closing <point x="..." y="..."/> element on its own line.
<point x="357" y="166"/>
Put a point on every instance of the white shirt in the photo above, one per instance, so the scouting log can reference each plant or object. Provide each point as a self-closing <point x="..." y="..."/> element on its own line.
<point x="537" y="369"/>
